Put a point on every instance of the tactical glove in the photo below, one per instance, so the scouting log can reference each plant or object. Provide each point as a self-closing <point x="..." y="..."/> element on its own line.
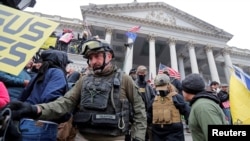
<point x="21" y="110"/>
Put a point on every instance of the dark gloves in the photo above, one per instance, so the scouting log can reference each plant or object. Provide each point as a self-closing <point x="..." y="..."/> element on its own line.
<point x="9" y="129"/>
<point x="21" y="110"/>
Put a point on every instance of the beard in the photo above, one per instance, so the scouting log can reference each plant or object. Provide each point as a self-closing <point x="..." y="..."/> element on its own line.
<point x="97" y="68"/>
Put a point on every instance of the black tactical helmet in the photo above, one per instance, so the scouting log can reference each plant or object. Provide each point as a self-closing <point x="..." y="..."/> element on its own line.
<point x="96" y="45"/>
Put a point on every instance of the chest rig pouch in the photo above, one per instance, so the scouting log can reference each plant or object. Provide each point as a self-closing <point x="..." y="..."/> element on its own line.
<point x="164" y="110"/>
<point x="96" y="93"/>
<point x="101" y="109"/>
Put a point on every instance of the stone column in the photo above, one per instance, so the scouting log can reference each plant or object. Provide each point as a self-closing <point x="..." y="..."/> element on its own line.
<point x="228" y="62"/>
<point x="192" y="55"/>
<point x="181" y="66"/>
<point x="212" y="64"/>
<point x="226" y="72"/>
<point x="152" y="57"/>
<point x="108" y="35"/>
<point x="201" y="73"/>
<point x="128" y="59"/>
<point x="173" y="56"/>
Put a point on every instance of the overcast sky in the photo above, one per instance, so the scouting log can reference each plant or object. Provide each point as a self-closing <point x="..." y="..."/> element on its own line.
<point x="229" y="15"/>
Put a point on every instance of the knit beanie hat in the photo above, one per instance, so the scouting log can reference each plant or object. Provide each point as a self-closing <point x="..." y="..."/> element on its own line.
<point x="193" y="83"/>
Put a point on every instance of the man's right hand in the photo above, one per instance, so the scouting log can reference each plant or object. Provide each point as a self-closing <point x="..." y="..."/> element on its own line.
<point x="21" y="110"/>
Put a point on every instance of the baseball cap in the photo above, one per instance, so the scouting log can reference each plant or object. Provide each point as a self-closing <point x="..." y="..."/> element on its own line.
<point x="141" y="69"/>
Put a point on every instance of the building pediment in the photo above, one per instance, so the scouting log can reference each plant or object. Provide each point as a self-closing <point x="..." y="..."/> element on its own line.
<point x="157" y="14"/>
<point x="160" y="16"/>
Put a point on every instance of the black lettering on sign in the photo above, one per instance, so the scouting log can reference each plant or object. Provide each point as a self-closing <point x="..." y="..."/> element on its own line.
<point x="14" y="51"/>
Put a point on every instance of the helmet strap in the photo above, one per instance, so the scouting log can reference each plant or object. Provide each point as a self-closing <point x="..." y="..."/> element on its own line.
<point x="104" y="59"/>
<point x="104" y="64"/>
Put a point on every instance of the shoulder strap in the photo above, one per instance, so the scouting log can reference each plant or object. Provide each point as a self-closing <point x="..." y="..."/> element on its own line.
<point x="116" y="87"/>
<point x="118" y="78"/>
<point x="171" y="94"/>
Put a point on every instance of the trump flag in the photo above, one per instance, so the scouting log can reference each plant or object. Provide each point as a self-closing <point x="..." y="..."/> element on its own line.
<point x="239" y="96"/>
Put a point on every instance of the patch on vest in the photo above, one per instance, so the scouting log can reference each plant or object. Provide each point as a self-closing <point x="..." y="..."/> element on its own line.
<point x="142" y="90"/>
<point x="105" y="116"/>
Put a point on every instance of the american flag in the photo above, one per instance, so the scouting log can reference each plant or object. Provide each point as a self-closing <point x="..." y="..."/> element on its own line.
<point x="135" y="28"/>
<point x="172" y="72"/>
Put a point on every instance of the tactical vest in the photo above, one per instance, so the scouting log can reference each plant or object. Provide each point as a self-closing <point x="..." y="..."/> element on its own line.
<point x="101" y="109"/>
<point x="145" y="94"/>
<point x="164" y="110"/>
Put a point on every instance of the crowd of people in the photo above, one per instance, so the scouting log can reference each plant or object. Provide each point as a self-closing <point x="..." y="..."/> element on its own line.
<point x="51" y="102"/>
<point x="66" y="41"/>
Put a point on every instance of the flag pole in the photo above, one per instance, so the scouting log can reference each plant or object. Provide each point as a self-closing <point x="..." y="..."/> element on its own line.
<point x="128" y="56"/>
<point x="128" y="59"/>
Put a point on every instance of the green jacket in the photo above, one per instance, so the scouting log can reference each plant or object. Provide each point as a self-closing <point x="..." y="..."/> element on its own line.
<point x="205" y="110"/>
<point x="71" y="100"/>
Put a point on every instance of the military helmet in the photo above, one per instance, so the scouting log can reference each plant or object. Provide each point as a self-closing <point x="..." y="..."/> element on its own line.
<point x="161" y="80"/>
<point x="96" y="45"/>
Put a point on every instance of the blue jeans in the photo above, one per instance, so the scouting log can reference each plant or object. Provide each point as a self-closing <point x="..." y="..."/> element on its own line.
<point x="37" y="130"/>
<point x="228" y="115"/>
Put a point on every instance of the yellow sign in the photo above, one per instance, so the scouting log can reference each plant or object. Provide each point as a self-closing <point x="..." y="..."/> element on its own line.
<point x="51" y="41"/>
<point x="21" y="35"/>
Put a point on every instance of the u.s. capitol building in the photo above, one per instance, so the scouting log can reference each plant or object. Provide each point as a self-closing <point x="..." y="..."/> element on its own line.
<point x="167" y="35"/>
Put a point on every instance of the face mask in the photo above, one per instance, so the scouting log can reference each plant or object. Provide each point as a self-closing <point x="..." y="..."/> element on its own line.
<point x="163" y="93"/>
<point x="218" y="90"/>
<point x="141" y="77"/>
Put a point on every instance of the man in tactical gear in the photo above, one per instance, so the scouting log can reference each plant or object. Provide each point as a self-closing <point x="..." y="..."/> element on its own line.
<point x="147" y="93"/>
<point x="100" y="98"/>
<point x="166" y="111"/>
<point x="177" y="84"/>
